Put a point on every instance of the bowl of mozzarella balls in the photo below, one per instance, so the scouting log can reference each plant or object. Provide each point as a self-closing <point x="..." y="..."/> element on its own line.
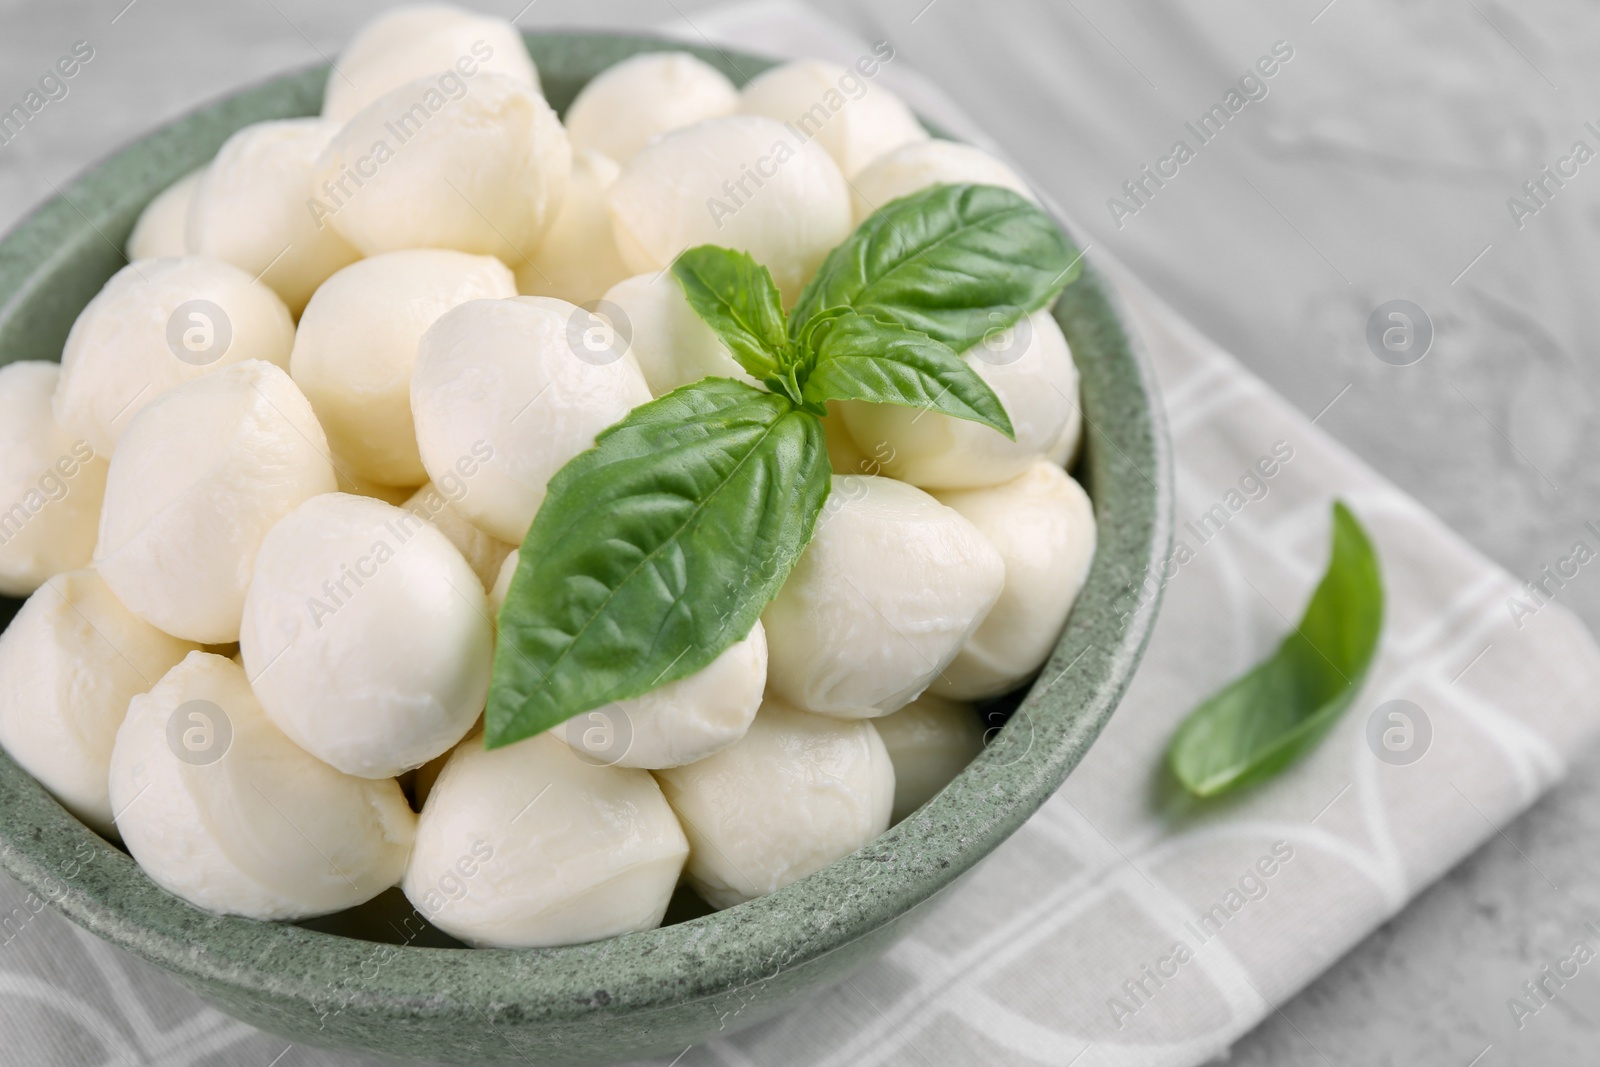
<point x="553" y="547"/>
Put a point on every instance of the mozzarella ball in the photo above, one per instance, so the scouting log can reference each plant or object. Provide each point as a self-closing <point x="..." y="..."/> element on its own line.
<point x="797" y="792"/>
<point x="482" y="169"/>
<point x="530" y="846"/>
<point x="671" y="342"/>
<point x="1030" y="369"/>
<point x="930" y="741"/>
<point x="889" y="589"/>
<point x="915" y="166"/>
<point x="856" y="121"/>
<point x="357" y="345"/>
<point x="502" y="582"/>
<point x="1043" y="526"/>
<point x="366" y="635"/>
<point x="742" y="182"/>
<point x="577" y="260"/>
<point x="51" y="484"/>
<point x="69" y="663"/>
<point x="251" y="209"/>
<point x="221" y="809"/>
<point x="155" y="325"/>
<point x="628" y="105"/>
<point x="682" y="721"/>
<point x="202" y="475"/>
<point x="483" y="553"/>
<point x="421" y="41"/>
<point x="162" y="229"/>
<point x="505" y="393"/>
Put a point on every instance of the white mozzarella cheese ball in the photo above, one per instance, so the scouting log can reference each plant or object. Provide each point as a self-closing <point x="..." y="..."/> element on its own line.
<point x="855" y="120"/>
<point x="366" y="635"/>
<point x="889" y="589"/>
<point x="682" y="721"/>
<point x="930" y="741"/>
<point x="357" y="345"/>
<point x="69" y="663"/>
<point x="797" y="792"/>
<point x="502" y="582"/>
<point x="742" y="182"/>
<point x="505" y="393"/>
<point x="157" y="324"/>
<point x="530" y="846"/>
<point x="252" y="209"/>
<point x="917" y="165"/>
<point x="483" y="553"/>
<point x="51" y="483"/>
<point x="672" y="344"/>
<point x="1043" y="525"/>
<point x="422" y="41"/>
<point x="221" y="809"/>
<point x="578" y="259"/>
<point x="162" y="229"/>
<point x="1030" y="369"/>
<point x="481" y="170"/>
<point x="202" y="475"/>
<point x="628" y="105"/>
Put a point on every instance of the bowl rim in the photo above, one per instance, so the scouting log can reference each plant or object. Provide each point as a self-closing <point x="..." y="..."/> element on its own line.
<point x="734" y="949"/>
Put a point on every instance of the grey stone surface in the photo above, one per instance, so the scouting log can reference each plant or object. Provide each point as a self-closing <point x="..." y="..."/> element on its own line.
<point x="1378" y="166"/>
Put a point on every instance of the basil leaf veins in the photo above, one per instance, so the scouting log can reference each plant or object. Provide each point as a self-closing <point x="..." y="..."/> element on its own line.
<point x="949" y="261"/>
<point x="737" y="297"/>
<point x="864" y="359"/>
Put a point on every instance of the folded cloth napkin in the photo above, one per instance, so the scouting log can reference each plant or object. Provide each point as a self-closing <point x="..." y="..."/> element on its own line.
<point x="1122" y="925"/>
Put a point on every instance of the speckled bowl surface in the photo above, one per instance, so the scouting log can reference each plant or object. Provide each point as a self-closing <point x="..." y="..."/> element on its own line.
<point x="641" y="994"/>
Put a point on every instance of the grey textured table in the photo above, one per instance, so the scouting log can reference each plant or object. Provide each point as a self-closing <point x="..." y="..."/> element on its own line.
<point x="1378" y="166"/>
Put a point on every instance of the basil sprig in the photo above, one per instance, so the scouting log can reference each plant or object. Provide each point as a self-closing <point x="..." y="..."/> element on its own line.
<point x="658" y="548"/>
<point x="1264" y="720"/>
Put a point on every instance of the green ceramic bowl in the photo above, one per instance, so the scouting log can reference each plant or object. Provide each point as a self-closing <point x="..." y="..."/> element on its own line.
<point x="640" y="994"/>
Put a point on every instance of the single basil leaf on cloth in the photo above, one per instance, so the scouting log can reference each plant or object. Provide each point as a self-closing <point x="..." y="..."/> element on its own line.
<point x="1261" y="722"/>
<point x="858" y="358"/>
<point x="949" y="261"/>
<point x="738" y="299"/>
<point x="654" y="551"/>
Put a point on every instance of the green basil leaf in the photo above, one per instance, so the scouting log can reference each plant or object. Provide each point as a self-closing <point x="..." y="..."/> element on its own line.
<point x="737" y="298"/>
<point x="949" y="261"/>
<point x="858" y="358"/>
<point x="1261" y="722"/>
<point x="654" y="551"/>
